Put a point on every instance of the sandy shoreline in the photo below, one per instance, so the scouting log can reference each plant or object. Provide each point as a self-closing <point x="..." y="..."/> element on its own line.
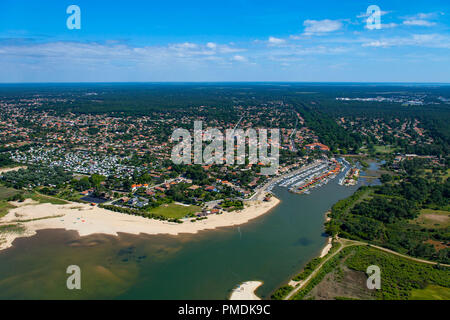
<point x="87" y="220"/>
<point x="327" y="248"/>
<point x="246" y="291"/>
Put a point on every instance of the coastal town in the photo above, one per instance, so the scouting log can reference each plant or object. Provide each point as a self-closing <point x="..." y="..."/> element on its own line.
<point x="111" y="173"/>
<point x="122" y="162"/>
<point x="224" y="156"/>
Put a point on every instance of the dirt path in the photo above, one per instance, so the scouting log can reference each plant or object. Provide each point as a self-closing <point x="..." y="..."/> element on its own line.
<point x="303" y="283"/>
<point x="347" y="243"/>
<point x="398" y="254"/>
<point x="8" y="169"/>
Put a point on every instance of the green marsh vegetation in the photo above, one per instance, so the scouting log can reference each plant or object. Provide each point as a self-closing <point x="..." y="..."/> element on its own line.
<point x="401" y="278"/>
<point x="390" y="216"/>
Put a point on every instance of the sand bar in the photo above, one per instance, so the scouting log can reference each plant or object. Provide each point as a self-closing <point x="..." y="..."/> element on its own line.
<point x="87" y="220"/>
<point x="327" y="248"/>
<point x="246" y="291"/>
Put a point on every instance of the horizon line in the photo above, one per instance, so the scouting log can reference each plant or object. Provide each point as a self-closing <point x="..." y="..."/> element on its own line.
<point x="226" y="82"/>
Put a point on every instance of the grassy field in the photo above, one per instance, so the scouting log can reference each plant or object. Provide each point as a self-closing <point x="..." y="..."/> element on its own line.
<point x="45" y="199"/>
<point x="174" y="210"/>
<point x="400" y="276"/>
<point x="344" y="275"/>
<point x="384" y="149"/>
<point x="433" y="218"/>
<point x="431" y="292"/>
<point x="4" y="208"/>
<point x="5" y="192"/>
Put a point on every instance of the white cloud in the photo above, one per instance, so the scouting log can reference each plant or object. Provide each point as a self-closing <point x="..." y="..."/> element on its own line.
<point x="421" y="20"/>
<point x="185" y="45"/>
<point x="417" y="40"/>
<point x="425" y="15"/>
<point x="365" y="15"/>
<point x="211" y="45"/>
<point x="419" y="23"/>
<point x="385" y="26"/>
<point x="388" y="25"/>
<point x="276" y="41"/>
<point x="224" y="49"/>
<point x="239" y="58"/>
<point x="295" y="53"/>
<point x="321" y="26"/>
<point x="110" y="53"/>
<point x="376" y="43"/>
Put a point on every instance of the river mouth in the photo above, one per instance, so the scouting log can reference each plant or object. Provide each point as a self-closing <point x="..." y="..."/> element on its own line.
<point x="207" y="265"/>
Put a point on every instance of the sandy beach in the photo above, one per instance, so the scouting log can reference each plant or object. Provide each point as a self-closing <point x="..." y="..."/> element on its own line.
<point x="87" y="220"/>
<point x="327" y="248"/>
<point x="246" y="291"/>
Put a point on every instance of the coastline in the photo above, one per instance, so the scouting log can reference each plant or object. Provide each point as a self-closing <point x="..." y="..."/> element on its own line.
<point x="87" y="220"/>
<point x="90" y="220"/>
<point x="246" y="291"/>
<point x="327" y="248"/>
<point x="321" y="254"/>
<point x="329" y="244"/>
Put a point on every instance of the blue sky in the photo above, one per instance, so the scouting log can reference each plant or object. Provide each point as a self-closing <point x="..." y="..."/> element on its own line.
<point x="234" y="40"/>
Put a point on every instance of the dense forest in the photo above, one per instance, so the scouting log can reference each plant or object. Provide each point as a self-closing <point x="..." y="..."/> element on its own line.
<point x="35" y="176"/>
<point x="384" y="215"/>
<point x="328" y="131"/>
<point x="317" y="104"/>
<point x="5" y="160"/>
<point x="433" y="116"/>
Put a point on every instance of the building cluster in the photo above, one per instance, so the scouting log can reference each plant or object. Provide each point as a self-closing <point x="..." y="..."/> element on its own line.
<point x="383" y="131"/>
<point x="405" y="100"/>
<point x="81" y="162"/>
<point x="133" y="152"/>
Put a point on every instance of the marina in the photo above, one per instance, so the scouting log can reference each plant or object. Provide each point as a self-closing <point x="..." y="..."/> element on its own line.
<point x="317" y="175"/>
<point x="346" y="170"/>
<point x="318" y="179"/>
